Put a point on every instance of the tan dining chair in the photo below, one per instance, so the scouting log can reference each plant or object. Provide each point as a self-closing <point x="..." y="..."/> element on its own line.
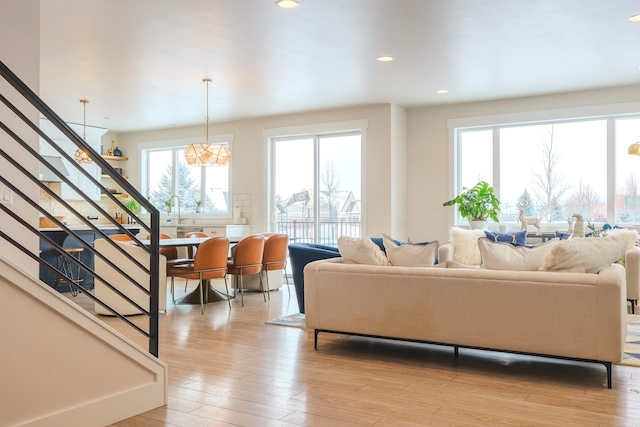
<point x="120" y="237"/>
<point x="210" y="262"/>
<point x="247" y="259"/>
<point x="274" y="257"/>
<point x="191" y="250"/>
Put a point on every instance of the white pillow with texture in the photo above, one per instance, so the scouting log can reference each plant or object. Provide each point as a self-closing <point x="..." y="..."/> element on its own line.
<point x="361" y="251"/>
<point x="505" y="256"/>
<point x="632" y="236"/>
<point x="465" y="245"/>
<point x="585" y="255"/>
<point x="410" y="254"/>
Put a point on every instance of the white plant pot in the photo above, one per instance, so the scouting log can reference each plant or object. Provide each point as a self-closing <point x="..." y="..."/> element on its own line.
<point x="478" y="225"/>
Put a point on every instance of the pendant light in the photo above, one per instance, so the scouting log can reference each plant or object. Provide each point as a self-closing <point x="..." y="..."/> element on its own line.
<point x="634" y="149"/>
<point x="201" y="154"/>
<point x="81" y="155"/>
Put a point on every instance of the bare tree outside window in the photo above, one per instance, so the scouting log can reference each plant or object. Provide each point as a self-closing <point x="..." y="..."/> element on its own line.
<point x="548" y="180"/>
<point x="585" y="201"/>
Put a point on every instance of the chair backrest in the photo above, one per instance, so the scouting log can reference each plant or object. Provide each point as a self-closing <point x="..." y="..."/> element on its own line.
<point x="275" y="252"/>
<point x="170" y="253"/>
<point x="249" y="251"/>
<point x="212" y="253"/>
<point x="191" y="250"/>
<point x="120" y="237"/>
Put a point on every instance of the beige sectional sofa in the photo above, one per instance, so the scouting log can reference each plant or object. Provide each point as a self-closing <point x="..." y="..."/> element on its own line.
<point x="577" y="316"/>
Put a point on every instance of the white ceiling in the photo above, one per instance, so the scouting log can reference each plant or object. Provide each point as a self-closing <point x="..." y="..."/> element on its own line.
<point x="141" y="63"/>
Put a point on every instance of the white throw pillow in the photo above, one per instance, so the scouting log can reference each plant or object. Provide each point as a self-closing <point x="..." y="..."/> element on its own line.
<point x="632" y="236"/>
<point x="505" y="256"/>
<point x="361" y="251"/>
<point x="465" y="245"/>
<point x="585" y="255"/>
<point x="411" y="254"/>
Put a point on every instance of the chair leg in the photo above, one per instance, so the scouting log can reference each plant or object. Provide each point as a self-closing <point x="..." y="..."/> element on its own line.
<point x="241" y="289"/>
<point x="227" y="288"/>
<point x="262" y="287"/>
<point x="185" y="284"/>
<point x="202" y="285"/>
<point x="173" y="297"/>
<point x="284" y="272"/>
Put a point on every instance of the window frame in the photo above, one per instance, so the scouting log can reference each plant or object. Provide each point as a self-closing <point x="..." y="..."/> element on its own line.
<point x="550" y="117"/>
<point x="178" y="145"/>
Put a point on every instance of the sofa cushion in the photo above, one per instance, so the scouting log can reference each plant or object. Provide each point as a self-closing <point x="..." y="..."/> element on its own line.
<point x="515" y="238"/>
<point x="465" y="245"/>
<point x="585" y="255"/>
<point x="361" y="250"/>
<point x="411" y="254"/>
<point x="506" y="256"/>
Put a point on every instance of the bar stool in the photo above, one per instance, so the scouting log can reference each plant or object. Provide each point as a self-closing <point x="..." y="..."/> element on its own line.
<point x="66" y="267"/>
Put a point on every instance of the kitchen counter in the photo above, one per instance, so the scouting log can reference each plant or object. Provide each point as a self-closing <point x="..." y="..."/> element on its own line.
<point x="108" y="226"/>
<point x="63" y="239"/>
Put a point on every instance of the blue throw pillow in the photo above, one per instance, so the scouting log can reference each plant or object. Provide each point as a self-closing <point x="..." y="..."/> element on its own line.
<point x="562" y="235"/>
<point x="517" y="238"/>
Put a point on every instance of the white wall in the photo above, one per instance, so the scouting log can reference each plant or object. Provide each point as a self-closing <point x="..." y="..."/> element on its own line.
<point x="20" y="23"/>
<point x="249" y="163"/>
<point x="429" y="163"/>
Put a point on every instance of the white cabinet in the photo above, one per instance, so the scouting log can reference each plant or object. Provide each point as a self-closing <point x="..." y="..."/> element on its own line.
<point x="220" y="231"/>
<point x="94" y="139"/>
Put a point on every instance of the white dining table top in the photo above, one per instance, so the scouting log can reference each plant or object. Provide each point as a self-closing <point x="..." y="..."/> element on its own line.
<point x="181" y="241"/>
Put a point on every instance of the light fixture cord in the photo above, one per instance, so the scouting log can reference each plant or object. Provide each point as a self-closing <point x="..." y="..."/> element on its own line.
<point x="84" y="121"/>
<point x="207" y="117"/>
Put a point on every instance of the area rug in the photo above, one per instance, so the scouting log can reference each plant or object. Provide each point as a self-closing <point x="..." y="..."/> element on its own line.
<point x="631" y="356"/>
<point x="293" y="320"/>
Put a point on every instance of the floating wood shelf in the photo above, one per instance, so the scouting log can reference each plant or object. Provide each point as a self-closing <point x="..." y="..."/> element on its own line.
<point x="117" y="158"/>
<point x="109" y="177"/>
<point x="119" y="196"/>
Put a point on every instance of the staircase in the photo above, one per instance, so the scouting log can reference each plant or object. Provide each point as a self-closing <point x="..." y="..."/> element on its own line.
<point x="62" y="365"/>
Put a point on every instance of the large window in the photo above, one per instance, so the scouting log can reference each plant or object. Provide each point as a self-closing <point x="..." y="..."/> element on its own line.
<point x="556" y="169"/>
<point x="316" y="189"/>
<point x="200" y="189"/>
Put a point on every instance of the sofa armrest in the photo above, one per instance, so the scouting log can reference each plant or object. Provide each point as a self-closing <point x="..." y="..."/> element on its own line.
<point x="632" y="267"/>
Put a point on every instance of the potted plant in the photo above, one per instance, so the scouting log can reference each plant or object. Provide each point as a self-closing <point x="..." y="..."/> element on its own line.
<point x="199" y="206"/>
<point x="168" y="204"/>
<point x="476" y="204"/>
<point x="132" y="205"/>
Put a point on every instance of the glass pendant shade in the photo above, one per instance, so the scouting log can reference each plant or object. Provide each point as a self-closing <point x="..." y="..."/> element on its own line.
<point x="199" y="155"/>
<point x="222" y="154"/>
<point x="81" y="156"/>
<point x="634" y="149"/>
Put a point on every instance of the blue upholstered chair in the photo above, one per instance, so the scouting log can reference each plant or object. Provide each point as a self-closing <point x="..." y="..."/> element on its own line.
<point x="301" y="254"/>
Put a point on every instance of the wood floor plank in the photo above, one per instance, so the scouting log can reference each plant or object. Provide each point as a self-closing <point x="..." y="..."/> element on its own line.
<point x="227" y="367"/>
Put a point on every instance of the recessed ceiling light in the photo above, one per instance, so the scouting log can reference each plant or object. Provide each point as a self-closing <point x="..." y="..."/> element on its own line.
<point x="442" y="91"/>
<point x="287" y="4"/>
<point x="635" y="18"/>
<point x="384" y="58"/>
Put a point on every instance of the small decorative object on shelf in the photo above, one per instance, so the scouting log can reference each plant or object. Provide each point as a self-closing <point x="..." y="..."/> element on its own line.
<point x="199" y="206"/>
<point x="117" y="152"/>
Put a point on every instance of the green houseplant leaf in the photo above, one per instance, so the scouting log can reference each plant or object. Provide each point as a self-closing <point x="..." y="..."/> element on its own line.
<point x="477" y="203"/>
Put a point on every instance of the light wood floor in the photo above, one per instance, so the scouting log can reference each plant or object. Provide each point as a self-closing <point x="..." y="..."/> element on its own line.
<point x="228" y="368"/>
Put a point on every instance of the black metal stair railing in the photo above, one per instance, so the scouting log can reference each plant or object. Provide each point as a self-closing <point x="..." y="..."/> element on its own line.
<point x="18" y="183"/>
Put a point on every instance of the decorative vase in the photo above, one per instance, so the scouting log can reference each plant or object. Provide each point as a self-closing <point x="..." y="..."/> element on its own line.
<point x="199" y="209"/>
<point x="478" y="225"/>
<point x="117" y="152"/>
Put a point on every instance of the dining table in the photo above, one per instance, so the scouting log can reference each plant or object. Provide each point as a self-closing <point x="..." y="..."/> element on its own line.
<point x="210" y="293"/>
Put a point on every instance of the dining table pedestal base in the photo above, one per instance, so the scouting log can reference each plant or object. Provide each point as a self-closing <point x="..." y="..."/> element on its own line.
<point x="210" y="295"/>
